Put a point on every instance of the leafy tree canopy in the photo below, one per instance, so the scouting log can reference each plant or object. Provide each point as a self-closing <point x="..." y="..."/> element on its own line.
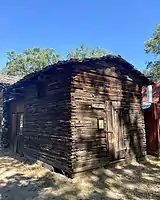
<point x="32" y="59"/>
<point x="35" y="59"/>
<point x="153" y="46"/>
<point x="84" y="52"/>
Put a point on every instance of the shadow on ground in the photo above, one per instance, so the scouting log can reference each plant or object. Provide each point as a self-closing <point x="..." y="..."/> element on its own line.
<point x="21" y="180"/>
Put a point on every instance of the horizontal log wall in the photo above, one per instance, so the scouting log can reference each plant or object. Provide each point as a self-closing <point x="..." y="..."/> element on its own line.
<point x="91" y="87"/>
<point x="6" y="118"/>
<point x="47" y="122"/>
<point x="1" y="109"/>
<point x="1" y="117"/>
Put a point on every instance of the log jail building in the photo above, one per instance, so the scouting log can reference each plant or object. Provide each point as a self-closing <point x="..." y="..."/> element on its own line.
<point x="79" y="115"/>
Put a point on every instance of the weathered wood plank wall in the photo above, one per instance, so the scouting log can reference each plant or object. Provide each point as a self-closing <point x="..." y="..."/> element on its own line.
<point x="47" y="122"/>
<point x="60" y="127"/>
<point x="1" y="109"/>
<point x="101" y="86"/>
<point x="6" y="118"/>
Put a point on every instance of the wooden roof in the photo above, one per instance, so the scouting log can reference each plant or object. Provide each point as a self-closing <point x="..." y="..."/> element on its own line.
<point x="117" y="59"/>
<point x="7" y="80"/>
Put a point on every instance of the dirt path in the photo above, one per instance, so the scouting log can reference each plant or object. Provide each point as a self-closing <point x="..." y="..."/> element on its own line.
<point x="22" y="181"/>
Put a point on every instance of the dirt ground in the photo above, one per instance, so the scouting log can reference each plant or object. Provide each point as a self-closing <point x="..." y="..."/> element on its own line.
<point x="20" y="180"/>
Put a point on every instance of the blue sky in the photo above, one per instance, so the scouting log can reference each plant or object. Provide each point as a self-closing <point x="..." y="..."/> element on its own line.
<point x="120" y="26"/>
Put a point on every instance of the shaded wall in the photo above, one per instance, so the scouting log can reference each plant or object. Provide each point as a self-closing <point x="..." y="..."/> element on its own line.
<point x="6" y="117"/>
<point x="96" y="90"/>
<point x="47" y="121"/>
<point x="152" y="125"/>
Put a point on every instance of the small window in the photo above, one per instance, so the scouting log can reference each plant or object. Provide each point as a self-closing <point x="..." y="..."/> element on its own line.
<point x="20" y="122"/>
<point x="41" y="90"/>
<point x="100" y="124"/>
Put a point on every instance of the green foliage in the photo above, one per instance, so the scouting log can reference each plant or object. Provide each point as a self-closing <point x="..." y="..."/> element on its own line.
<point x="153" y="46"/>
<point x="153" y="70"/>
<point x="84" y="52"/>
<point x="32" y="59"/>
<point x="35" y="59"/>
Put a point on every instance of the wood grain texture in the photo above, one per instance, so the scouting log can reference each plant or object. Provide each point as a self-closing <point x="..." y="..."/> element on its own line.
<point x="107" y="92"/>
<point x="61" y="129"/>
<point x="47" y="122"/>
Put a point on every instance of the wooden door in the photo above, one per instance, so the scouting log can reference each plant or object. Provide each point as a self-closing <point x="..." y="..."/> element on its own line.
<point x="19" y="135"/>
<point x="16" y="131"/>
<point x="115" y="130"/>
<point x="13" y="130"/>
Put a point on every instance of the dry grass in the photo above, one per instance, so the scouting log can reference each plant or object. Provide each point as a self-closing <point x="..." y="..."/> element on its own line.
<point x="20" y="180"/>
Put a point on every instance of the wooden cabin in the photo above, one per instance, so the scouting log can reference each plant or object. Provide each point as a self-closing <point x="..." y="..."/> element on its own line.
<point x="80" y="115"/>
<point x="5" y="81"/>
